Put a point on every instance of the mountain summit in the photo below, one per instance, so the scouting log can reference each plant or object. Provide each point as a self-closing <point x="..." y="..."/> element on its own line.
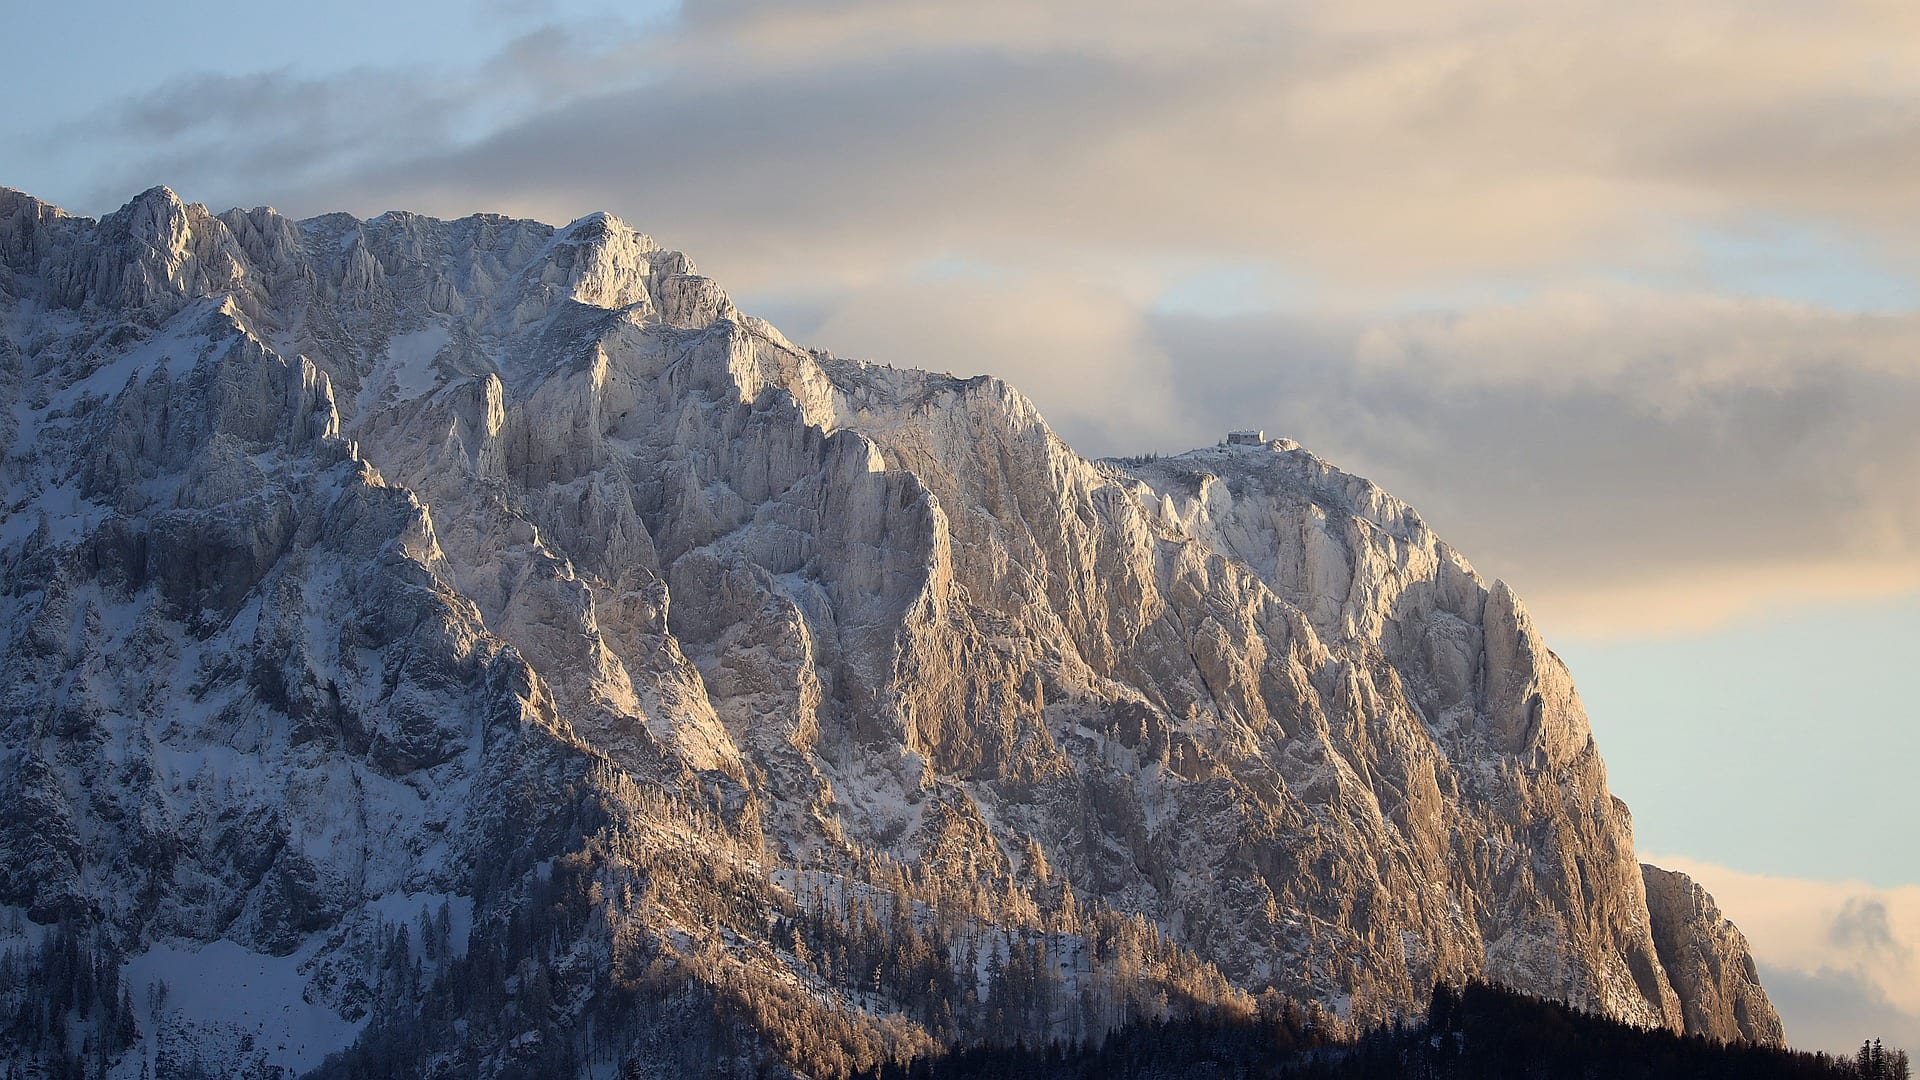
<point x="475" y="647"/>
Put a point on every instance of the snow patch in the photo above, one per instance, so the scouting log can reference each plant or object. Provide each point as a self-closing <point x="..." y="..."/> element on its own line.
<point x="412" y="355"/>
<point x="222" y="1002"/>
<point x="406" y="370"/>
<point x="68" y="517"/>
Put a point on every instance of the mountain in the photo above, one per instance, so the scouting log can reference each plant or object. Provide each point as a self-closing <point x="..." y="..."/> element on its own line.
<point x="474" y="647"/>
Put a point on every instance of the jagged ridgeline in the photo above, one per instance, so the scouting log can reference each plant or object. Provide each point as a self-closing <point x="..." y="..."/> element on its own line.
<point x="475" y="648"/>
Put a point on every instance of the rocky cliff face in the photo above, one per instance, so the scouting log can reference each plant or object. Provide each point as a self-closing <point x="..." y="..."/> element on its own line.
<point x="1706" y="957"/>
<point x="402" y="608"/>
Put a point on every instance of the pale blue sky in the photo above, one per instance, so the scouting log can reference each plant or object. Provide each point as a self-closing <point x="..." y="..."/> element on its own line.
<point x="1623" y="297"/>
<point x="1783" y="744"/>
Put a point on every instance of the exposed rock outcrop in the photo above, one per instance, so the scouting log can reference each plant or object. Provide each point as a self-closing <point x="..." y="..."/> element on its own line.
<point x="355" y="568"/>
<point x="1706" y="957"/>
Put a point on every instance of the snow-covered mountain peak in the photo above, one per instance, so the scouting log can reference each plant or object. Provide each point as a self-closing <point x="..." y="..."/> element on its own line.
<point x="507" y="583"/>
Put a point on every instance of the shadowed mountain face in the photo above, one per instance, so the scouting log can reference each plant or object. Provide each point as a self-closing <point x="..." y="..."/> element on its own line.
<point x="505" y="584"/>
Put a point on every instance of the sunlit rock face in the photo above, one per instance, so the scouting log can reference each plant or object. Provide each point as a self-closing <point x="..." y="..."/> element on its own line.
<point x="1706" y="957"/>
<point x="354" y="567"/>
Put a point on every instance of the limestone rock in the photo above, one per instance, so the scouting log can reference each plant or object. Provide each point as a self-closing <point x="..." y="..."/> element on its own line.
<point x="358" y="567"/>
<point x="1706" y="957"/>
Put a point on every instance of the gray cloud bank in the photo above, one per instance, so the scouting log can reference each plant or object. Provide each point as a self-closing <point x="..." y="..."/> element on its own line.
<point x="1371" y="142"/>
<point x="1629" y="460"/>
<point x="1836" y="1010"/>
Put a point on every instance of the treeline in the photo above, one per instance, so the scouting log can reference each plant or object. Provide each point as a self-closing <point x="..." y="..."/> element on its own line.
<point x="1479" y="1031"/>
<point x="62" y="1004"/>
<point x="1066" y="972"/>
<point x="1281" y="1033"/>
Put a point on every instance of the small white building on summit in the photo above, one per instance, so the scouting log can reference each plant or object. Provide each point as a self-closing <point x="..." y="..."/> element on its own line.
<point x="1246" y="438"/>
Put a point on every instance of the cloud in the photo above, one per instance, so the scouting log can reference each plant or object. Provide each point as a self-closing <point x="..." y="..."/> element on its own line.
<point x="1629" y="460"/>
<point x="249" y="135"/>
<point x="1660" y="458"/>
<point x="1390" y="144"/>
<point x="1863" y="927"/>
<point x="1836" y="957"/>
<point x="1084" y="352"/>
<point x="1836" y="1010"/>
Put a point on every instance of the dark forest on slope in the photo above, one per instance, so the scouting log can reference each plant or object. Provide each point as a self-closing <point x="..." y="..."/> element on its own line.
<point x="1478" y="1031"/>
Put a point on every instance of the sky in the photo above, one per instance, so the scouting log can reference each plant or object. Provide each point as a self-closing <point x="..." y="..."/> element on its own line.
<point x="1623" y="295"/>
